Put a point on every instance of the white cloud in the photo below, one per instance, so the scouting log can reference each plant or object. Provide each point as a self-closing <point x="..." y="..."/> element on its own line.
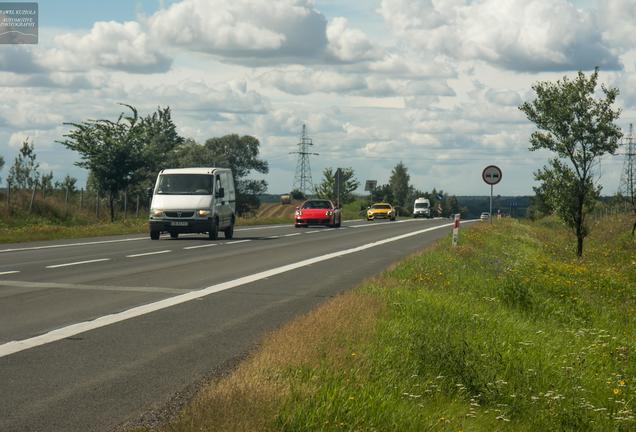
<point x="519" y="35"/>
<point x="349" y="45"/>
<point x="109" y="45"/>
<point x="264" y="29"/>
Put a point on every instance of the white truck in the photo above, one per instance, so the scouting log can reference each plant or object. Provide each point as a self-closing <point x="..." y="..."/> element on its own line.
<point x="422" y="208"/>
<point x="193" y="200"/>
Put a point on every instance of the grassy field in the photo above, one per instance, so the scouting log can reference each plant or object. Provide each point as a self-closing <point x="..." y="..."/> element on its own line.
<point x="507" y="332"/>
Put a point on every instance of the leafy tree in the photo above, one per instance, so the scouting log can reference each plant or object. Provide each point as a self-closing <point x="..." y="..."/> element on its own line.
<point x="47" y="183"/>
<point x="160" y="137"/>
<point x="399" y="183"/>
<point x="382" y="193"/>
<point x="298" y="195"/>
<point x="240" y="153"/>
<point x="348" y="184"/>
<point x="24" y="174"/>
<point x="69" y="183"/>
<point x="579" y="128"/>
<point x="112" y="151"/>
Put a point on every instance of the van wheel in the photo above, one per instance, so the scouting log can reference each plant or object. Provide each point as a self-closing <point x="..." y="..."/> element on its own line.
<point x="213" y="234"/>
<point x="154" y="235"/>
<point x="229" y="232"/>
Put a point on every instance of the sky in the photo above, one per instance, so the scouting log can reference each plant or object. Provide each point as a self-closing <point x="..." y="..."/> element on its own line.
<point x="435" y="84"/>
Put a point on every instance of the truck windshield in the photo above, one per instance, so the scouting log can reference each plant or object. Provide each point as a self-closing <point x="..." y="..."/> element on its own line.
<point x="421" y="205"/>
<point x="185" y="184"/>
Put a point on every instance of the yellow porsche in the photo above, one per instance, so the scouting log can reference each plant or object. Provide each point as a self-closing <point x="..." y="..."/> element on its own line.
<point x="381" y="211"/>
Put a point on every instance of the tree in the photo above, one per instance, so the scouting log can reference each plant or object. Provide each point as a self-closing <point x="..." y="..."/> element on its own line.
<point x="399" y="183"/>
<point x="111" y="151"/>
<point x="25" y="174"/>
<point x="67" y="184"/>
<point x="328" y="189"/>
<point x="46" y="184"/>
<point x="579" y="128"/>
<point x="230" y="151"/>
<point x="298" y="195"/>
<point x="382" y="193"/>
<point x="1" y="164"/>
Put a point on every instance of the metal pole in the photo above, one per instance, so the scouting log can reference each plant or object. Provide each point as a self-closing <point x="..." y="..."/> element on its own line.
<point x="490" y="217"/>
<point x="66" y="202"/>
<point x="81" y="198"/>
<point x="137" y="207"/>
<point x="125" y="204"/>
<point x="97" y="205"/>
<point x="9" y="196"/>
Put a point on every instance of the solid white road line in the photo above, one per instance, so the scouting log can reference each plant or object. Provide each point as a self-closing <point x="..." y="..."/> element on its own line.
<point x="9" y="272"/>
<point x="201" y="246"/>
<point x="77" y="263"/>
<point x="75" y="329"/>
<point x="148" y="253"/>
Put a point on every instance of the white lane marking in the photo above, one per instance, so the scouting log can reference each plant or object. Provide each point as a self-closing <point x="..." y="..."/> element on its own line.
<point x="77" y="263"/>
<point x="273" y="237"/>
<point x="148" y="253"/>
<point x="9" y="272"/>
<point x="75" y="329"/>
<point x="265" y="227"/>
<point x="201" y="246"/>
<point x="371" y="224"/>
<point x="311" y="232"/>
<point x="236" y="242"/>
<point x="292" y="234"/>
<point x="53" y="285"/>
<point x="71" y="244"/>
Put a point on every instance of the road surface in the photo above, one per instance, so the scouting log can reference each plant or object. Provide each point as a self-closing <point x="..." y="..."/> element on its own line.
<point x="95" y="333"/>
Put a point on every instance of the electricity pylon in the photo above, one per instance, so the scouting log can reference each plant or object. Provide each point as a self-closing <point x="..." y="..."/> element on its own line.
<point x="302" y="179"/>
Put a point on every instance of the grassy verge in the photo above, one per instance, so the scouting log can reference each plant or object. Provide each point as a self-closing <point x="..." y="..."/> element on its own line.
<point x="507" y="332"/>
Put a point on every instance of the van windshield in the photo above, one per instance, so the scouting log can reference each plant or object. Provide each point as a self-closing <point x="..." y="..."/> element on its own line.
<point x="185" y="184"/>
<point x="421" y="205"/>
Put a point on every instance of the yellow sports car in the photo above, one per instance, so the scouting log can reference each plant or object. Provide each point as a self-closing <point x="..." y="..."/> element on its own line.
<point x="381" y="211"/>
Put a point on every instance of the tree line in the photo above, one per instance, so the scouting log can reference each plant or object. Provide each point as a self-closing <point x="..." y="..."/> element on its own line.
<point x="125" y="155"/>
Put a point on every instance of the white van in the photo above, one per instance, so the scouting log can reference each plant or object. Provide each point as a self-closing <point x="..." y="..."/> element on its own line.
<point x="422" y="208"/>
<point x="193" y="200"/>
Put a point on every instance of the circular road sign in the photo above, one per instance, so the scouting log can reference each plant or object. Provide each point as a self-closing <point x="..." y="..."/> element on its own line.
<point x="491" y="174"/>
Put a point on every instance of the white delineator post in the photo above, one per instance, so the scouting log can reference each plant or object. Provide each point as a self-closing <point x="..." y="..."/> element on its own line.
<point x="456" y="230"/>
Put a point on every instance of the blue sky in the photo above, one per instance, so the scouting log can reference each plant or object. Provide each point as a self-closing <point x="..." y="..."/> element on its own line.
<point x="433" y="84"/>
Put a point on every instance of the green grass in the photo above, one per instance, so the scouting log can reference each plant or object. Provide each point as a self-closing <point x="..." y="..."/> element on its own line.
<point x="508" y="332"/>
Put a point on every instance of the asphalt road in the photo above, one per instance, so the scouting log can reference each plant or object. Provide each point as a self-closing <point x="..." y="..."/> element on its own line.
<point x="95" y="333"/>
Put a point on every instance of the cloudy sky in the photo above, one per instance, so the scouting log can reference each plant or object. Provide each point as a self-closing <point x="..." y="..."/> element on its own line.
<point x="432" y="83"/>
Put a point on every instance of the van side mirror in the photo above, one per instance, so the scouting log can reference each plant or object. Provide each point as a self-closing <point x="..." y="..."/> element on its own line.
<point x="220" y="193"/>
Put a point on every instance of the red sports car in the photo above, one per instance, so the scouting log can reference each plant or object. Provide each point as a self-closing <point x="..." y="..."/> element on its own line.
<point x="317" y="212"/>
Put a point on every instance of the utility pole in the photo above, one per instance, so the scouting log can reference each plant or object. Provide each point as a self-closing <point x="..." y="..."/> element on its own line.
<point x="628" y="179"/>
<point x="302" y="179"/>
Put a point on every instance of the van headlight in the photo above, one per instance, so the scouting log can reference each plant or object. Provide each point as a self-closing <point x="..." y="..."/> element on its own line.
<point x="158" y="213"/>
<point x="203" y="213"/>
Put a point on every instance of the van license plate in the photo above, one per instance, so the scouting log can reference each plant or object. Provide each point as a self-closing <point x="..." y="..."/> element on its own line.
<point x="178" y="223"/>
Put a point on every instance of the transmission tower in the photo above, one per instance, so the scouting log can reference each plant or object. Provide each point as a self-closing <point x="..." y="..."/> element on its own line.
<point x="302" y="179"/>
<point x="628" y="178"/>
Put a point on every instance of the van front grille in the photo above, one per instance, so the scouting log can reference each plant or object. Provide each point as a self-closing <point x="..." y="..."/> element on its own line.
<point x="174" y="214"/>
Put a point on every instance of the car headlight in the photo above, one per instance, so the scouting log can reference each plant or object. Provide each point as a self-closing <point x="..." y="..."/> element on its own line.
<point x="157" y="213"/>
<point x="329" y="213"/>
<point x="203" y="213"/>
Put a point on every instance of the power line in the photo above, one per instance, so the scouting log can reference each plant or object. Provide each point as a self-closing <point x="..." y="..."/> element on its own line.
<point x="302" y="179"/>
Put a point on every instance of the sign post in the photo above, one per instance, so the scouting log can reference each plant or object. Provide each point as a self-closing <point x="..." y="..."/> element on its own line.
<point x="491" y="175"/>
<point x="456" y="230"/>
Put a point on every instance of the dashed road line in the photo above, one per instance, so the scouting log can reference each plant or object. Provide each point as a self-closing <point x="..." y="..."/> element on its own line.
<point x="148" y="253"/>
<point x="292" y="234"/>
<point x="9" y="272"/>
<point x="201" y="246"/>
<point x="77" y="263"/>
<point x="236" y="242"/>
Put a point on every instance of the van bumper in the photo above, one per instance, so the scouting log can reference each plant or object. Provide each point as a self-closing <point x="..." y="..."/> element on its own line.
<point x="180" y="225"/>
